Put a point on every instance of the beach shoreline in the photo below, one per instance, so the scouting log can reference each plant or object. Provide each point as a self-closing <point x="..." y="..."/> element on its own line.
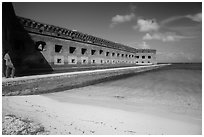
<point x="165" y="102"/>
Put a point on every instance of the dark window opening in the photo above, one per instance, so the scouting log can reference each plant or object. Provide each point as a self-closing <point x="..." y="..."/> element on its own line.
<point x="138" y="57"/>
<point x="148" y="61"/>
<point x="118" y="54"/>
<point x="84" y="37"/>
<point x="72" y="49"/>
<point x="107" y="53"/>
<point x="101" y="61"/>
<point x="58" y="48"/>
<point x="93" y="61"/>
<point x="149" y="57"/>
<point x="126" y="55"/>
<point x="143" y="57"/>
<point x="73" y="36"/>
<point x="83" y="51"/>
<point x="142" y="61"/>
<point x="54" y="29"/>
<point x="113" y="54"/>
<point x="19" y="45"/>
<point x="129" y="56"/>
<point x="100" y="51"/>
<point x="137" y="62"/>
<point x="40" y="45"/>
<point x="73" y="60"/>
<point x="59" y="60"/>
<point x="122" y="55"/>
<point x="93" y="51"/>
<point x="84" y="60"/>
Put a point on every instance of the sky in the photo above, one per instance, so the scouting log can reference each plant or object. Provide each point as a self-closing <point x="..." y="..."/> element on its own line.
<point x="173" y="29"/>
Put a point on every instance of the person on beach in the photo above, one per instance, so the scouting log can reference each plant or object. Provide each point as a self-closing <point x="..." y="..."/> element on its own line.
<point x="9" y="65"/>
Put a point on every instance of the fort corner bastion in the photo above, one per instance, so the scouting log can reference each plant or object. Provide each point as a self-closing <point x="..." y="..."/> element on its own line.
<point x="39" y="47"/>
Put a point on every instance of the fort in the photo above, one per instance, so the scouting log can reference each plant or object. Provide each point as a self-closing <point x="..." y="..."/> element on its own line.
<point x="72" y="83"/>
<point x="39" y="47"/>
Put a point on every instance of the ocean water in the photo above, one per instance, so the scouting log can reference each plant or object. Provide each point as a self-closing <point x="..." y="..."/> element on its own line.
<point x="177" y="87"/>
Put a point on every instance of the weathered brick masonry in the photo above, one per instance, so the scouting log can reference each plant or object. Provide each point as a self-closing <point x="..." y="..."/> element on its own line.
<point x="38" y="46"/>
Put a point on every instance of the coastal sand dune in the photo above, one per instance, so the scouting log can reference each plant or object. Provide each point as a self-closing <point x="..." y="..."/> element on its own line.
<point x="162" y="102"/>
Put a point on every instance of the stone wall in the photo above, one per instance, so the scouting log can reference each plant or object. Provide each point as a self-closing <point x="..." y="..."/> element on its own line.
<point x="64" y="81"/>
<point x="40" y="47"/>
<point x="63" y="52"/>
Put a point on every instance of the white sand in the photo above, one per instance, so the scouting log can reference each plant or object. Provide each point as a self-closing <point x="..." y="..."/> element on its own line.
<point x="80" y="118"/>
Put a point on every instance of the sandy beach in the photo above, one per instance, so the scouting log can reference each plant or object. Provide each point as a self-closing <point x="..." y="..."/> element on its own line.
<point x="80" y="118"/>
<point x="117" y="107"/>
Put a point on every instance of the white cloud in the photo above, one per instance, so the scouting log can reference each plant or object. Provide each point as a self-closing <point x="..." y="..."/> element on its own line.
<point x="197" y="17"/>
<point x="121" y="19"/>
<point x="149" y="25"/>
<point x="147" y="36"/>
<point x="165" y="37"/>
<point x="146" y="25"/>
<point x="171" y="19"/>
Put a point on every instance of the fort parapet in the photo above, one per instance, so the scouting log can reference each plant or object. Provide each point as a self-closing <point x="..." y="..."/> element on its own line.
<point x="63" y="33"/>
